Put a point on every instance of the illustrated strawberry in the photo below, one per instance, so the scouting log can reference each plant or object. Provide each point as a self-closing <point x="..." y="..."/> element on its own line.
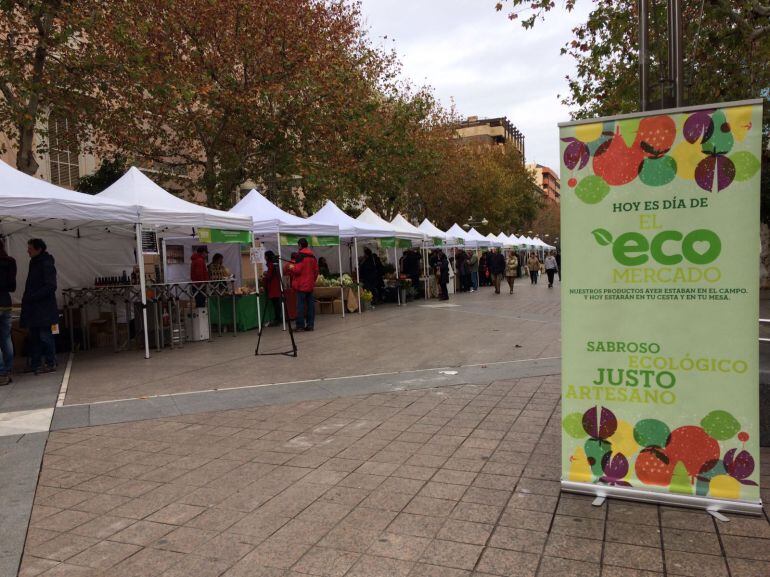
<point x="656" y="134"/>
<point x="617" y="163"/>
<point x="692" y="446"/>
<point x="653" y="467"/>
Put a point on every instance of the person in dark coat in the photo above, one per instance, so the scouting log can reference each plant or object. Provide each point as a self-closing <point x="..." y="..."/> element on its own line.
<point x="370" y="271"/>
<point x="39" y="311"/>
<point x="443" y="267"/>
<point x="272" y="283"/>
<point x="7" y="286"/>
<point x="461" y="268"/>
<point x="496" y="268"/>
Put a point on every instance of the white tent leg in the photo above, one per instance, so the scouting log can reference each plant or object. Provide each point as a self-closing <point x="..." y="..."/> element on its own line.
<point x="256" y="285"/>
<point x="280" y="273"/>
<point x="358" y="274"/>
<point x="142" y="288"/>
<point x="342" y="288"/>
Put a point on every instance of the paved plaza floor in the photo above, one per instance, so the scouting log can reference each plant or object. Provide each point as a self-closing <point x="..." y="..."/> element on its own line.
<point x="426" y="443"/>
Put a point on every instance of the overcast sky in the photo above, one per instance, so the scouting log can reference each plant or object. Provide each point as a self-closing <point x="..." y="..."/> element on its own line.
<point x="466" y="50"/>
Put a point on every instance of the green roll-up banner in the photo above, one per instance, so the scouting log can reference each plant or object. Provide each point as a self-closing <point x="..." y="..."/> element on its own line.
<point x="216" y="235"/>
<point x="292" y="239"/>
<point x="660" y="305"/>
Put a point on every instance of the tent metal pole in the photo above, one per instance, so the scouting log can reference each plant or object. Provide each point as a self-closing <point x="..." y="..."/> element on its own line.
<point x="280" y="273"/>
<point x="142" y="288"/>
<point x="358" y="274"/>
<point x="342" y="288"/>
<point x="256" y="283"/>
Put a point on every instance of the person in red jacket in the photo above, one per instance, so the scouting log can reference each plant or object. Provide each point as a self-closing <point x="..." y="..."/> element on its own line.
<point x="304" y="274"/>
<point x="199" y="272"/>
<point x="272" y="283"/>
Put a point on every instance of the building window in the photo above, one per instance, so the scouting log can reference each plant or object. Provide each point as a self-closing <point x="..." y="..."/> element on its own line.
<point x="63" y="150"/>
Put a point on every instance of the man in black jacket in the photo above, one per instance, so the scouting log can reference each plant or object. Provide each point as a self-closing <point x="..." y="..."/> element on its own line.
<point x="39" y="311"/>
<point x="496" y="268"/>
<point x="7" y="286"/>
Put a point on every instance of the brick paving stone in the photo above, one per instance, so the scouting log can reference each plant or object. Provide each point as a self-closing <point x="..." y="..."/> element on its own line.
<point x="104" y="555"/>
<point x="146" y="563"/>
<point x="183" y="539"/>
<point x="430" y="506"/>
<point x="508" y="563"/>
<point x="746" y="547"/>
<point x="276" y="553"/>
<point x="579" y="506"/>
<point x="746" y="527"/>
<point x="691" y="541"/>
<point x="34" y="566"/>
<point x="633" y="556"/>
<point x="465" y="532"/>
<point x="636" y="513"/>
<point x="325" y="562"/>
<point x="68" y="570"/>
<point x="62" y="547"/>
<point x="425" y="570"/>
<point x="142" y="533"/>
<point x="443" y="491"/>
<point x="175" y="514"/>
<point x="63" y="520"/>
<point x="686" y="519"/>
<point x="748" y="567"/>
<point x="612" y="571"/>
<point x="524" y="540"/>
<point x="396" y="546"/>
<point x="695" y="565"/>
<point x="476" y="512"/>
<point x="558" y="567"/>
<point x="451" y="554"/>
<point x="226" y="547"/>
<point x="645" y="535"/>
<point x="577" y="548"/>
<point x="417" y="525"/>
<point x="579" y="527"/>
<point x="535" y="520"/>
<point x="369" y="566"/>
<point x="198" y="567"/>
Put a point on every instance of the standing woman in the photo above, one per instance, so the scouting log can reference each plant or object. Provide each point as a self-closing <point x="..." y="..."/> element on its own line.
<point x="39" y="311"/>
<point x="272" y="281"/>
<point x="533" y="265"/>
<point x="551" y="267"/>
<point x="443" y="280"/>
<point x="511" y="268"/>
<point x="7" y="286"/>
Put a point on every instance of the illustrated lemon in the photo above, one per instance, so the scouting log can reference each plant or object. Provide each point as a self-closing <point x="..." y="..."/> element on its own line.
<point x="739" y="119"/>
<point x="623" y="441"/>
<point x="725" y="487"/>
<point x="588" y="132"/>
<point x="687" y="157"/>
<point x="579" y="469"/>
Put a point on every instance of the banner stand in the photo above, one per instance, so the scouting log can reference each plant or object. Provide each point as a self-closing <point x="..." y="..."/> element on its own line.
<point x="688" y="501"/>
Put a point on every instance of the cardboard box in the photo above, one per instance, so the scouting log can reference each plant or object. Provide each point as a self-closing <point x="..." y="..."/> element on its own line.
<point x="337" y="306"/>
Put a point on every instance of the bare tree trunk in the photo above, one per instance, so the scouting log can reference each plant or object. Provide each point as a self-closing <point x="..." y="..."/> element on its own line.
<point x="25" y="156"/>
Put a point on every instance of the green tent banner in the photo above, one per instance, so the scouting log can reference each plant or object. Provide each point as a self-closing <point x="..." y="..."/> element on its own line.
<point x="438" y="242"/>
<point x="293" y="239"/>
<point x="391" y="242"/>
<point x="216" y="235"/>
<point x="660" y="306"/>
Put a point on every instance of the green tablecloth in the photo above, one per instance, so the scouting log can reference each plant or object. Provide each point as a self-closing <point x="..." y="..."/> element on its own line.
<point x="221" y="310"/>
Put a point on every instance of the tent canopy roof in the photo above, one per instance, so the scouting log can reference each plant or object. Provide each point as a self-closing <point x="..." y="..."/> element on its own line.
<point x="432" y="230"/>
<point x="25" y="197"/>
<point x="478" y="238"/>
<point x="158" y="207"/>
<point x="349" y="227"/>
<point x="269" y="219"/>
<point x="407" y="228"/>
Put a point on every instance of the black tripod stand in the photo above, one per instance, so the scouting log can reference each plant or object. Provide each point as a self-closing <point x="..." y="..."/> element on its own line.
<point x="284" y="311"/>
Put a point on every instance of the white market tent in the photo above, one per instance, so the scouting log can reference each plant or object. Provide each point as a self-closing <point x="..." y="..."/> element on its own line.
<point x="271" y="221"/>
<point x="496" y="242"/>
<point x="505" y="240"/>
<point x="456" y="231"/>
<point x="368" y="216"/>
<point x="350" y="229"/>
<point x="405" y="227"/>
<point x="83" y="232"/>
<point x="479" y="239"/>
<point x="159" y="209"/>
<point x="434" y="233"/>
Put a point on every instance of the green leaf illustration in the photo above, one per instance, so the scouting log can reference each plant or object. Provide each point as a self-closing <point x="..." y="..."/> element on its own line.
<point x="603" y="237"/>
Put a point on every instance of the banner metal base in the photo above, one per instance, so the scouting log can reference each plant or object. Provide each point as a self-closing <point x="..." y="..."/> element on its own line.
<point x="689" y="501"/>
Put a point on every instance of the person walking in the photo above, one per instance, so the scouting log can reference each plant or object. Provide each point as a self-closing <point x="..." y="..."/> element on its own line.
<point x="304" y="274"/>
<point x="7" y="286"/>
<point x="461" y="261"/>
<point x="533" y="266"/>
<point x="473" y="266"/>
<point x="39" y="311"/>
<point x="272" y="282"/>
<point x="551" y="268"/>
<point x="443" y="280"/>
<point x="511" y="268"/>
<point x="496" y="268"/>
<point x="199" y="273"/>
